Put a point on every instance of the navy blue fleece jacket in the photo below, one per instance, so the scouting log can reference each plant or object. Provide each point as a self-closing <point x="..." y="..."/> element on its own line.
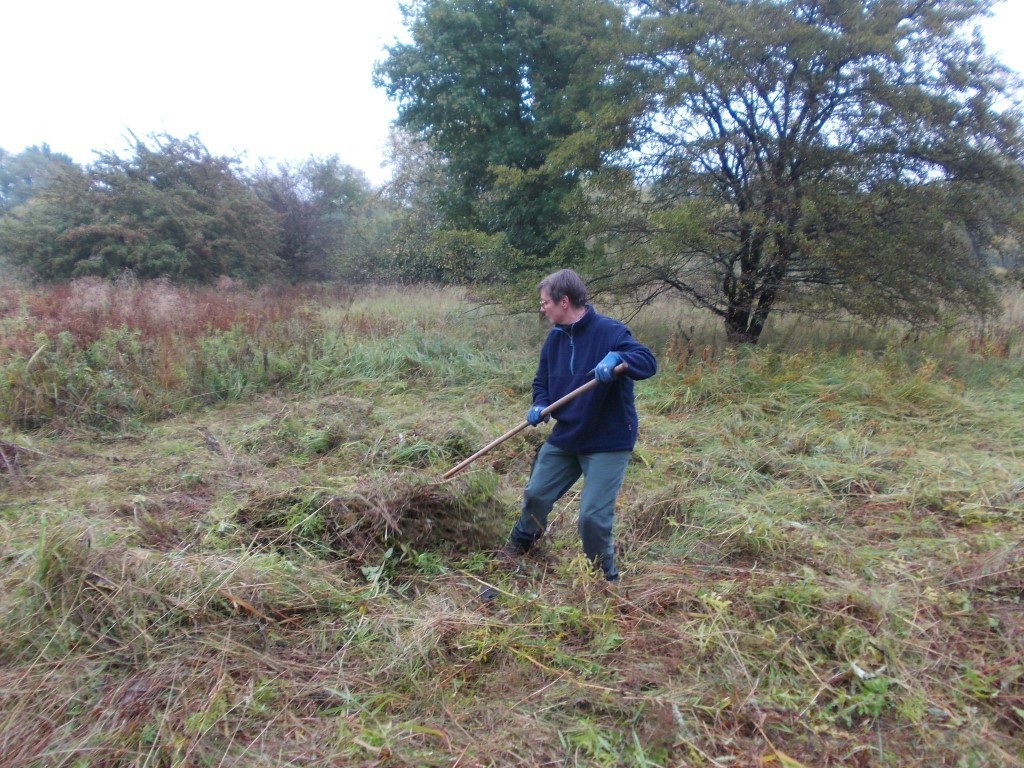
<point x="602" y="419"/>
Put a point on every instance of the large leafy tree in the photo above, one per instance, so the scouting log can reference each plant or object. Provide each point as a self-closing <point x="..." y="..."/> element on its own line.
<point x="845" y="153"/>
<point x="169" y="210"/>
<point x="417" y="182"/>
<point x="331" y="222"/>
<point x="422" y="248"/>
<point x="517" y="99"/>
<point x="28" y="173"/>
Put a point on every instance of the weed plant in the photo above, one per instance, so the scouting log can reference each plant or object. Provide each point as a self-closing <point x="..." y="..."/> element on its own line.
<point x="226" y="542"/>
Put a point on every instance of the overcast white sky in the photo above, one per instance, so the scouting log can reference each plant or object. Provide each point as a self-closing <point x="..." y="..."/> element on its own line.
<point x="280" y="81"/>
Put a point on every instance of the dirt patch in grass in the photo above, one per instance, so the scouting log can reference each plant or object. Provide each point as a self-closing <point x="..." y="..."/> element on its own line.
<point x="458" y="516"/>
<point x="174" y="521"/>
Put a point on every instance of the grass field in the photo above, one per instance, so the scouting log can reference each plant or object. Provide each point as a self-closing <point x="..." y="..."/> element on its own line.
<point x="225" y="542"/>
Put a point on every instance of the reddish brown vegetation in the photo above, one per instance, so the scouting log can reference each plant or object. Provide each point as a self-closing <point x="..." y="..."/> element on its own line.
<point x="161" y="312"/>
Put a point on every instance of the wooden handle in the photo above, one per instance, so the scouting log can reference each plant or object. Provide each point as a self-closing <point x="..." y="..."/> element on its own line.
<point x="517" y="429"/>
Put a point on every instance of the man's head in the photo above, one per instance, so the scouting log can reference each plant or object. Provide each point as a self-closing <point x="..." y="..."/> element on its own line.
<point x="565" y="282"/>
<point x="563" y="296"/>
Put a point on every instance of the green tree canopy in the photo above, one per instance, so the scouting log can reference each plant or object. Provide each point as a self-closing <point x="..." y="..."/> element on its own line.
<point x="845" y="152"/>
<point x="28" y="173"/>
<point x="516" y="98"/>
<point x="331" y="222"/>
<point x="170" y="210"/>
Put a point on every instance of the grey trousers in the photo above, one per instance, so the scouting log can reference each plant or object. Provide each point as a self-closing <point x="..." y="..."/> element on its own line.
<point x="554" y="472"/>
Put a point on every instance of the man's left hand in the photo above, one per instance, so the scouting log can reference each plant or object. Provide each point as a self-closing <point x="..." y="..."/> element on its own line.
<point x="605" y="370"/>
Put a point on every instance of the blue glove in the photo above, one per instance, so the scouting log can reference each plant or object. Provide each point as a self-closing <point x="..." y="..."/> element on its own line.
<point x="535" y="417"/>
<point x="605" y="370"/>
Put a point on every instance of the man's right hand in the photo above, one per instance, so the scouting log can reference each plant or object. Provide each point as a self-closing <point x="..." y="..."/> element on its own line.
<point x="536" y="415"/>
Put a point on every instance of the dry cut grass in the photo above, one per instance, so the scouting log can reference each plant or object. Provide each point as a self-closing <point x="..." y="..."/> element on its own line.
<point x="821" y="555"/>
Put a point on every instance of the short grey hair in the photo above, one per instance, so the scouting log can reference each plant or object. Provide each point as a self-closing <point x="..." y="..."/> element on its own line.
<point x="565" y="282"/>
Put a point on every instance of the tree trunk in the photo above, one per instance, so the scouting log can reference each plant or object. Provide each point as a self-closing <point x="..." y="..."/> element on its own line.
<point x="744" y="323"/>
<point x="739" y="331"/>
<point x="750" y="303"/>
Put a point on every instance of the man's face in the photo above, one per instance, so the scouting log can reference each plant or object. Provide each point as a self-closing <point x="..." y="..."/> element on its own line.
<point x="557" y="312"/>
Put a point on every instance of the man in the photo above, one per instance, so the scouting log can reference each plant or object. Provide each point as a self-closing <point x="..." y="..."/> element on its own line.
<point x="594" y="433"/>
